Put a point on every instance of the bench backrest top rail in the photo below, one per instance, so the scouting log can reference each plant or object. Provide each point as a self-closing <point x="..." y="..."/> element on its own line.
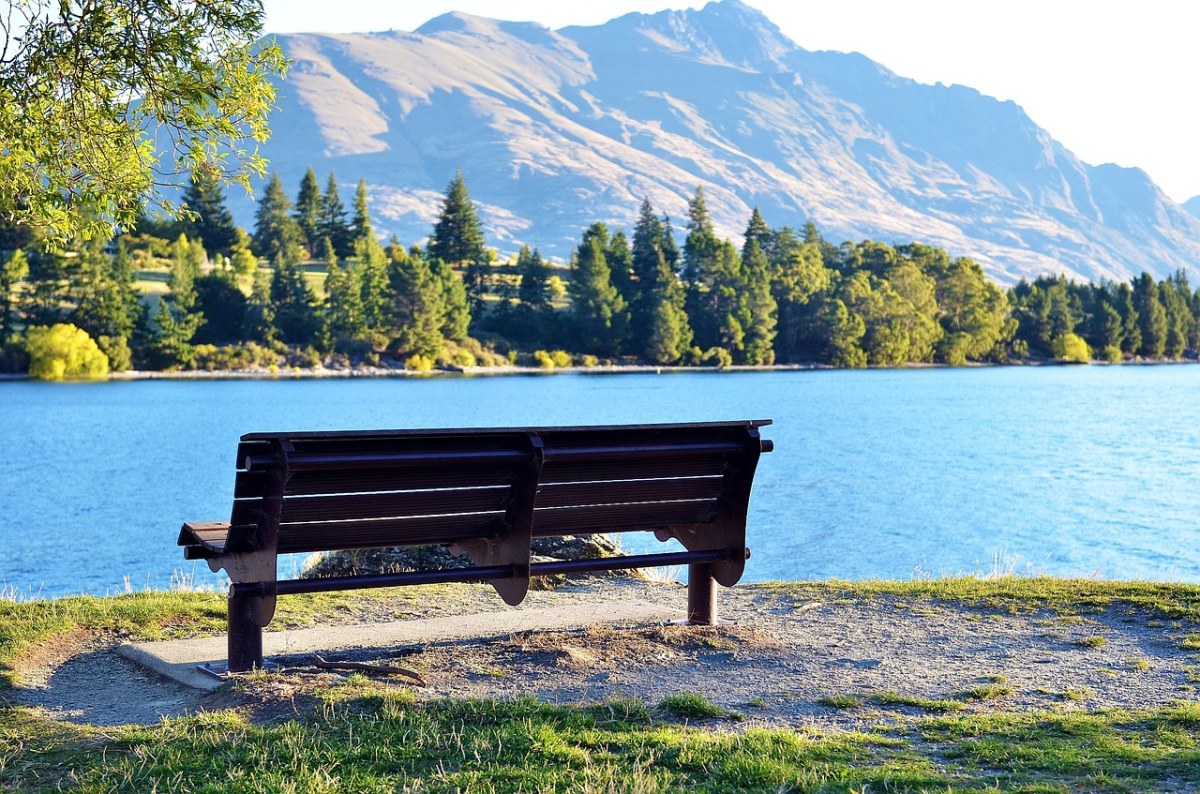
<point x="486" y="431"/>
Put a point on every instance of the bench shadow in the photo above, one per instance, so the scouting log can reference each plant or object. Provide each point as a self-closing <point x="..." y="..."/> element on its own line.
<point x="102" y="688"/>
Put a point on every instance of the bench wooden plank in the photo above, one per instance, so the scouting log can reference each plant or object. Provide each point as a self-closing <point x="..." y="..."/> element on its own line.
<point x="366" y="506"/>
<point x="250" y="484"/>
<point x="587" y="520"/>
<point x="609" y="492"/>
<point x="324" y="536"/>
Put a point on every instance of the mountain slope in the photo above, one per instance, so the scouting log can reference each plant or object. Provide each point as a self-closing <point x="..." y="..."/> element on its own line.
<point x="556" y="130"/>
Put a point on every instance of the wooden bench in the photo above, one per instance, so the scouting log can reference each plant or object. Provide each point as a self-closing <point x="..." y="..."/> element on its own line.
<point x="485" y="492"/>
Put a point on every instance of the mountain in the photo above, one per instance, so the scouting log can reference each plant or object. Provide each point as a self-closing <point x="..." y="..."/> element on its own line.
<point x="554" y="130"/>
<point x="1192" y="205"/>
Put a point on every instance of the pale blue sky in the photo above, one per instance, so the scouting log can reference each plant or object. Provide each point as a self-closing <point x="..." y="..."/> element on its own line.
<point x="1114" y="80"/>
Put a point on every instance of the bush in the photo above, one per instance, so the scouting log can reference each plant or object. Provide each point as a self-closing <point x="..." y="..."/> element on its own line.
<point x="1071" y="348"/>
<point x="561" y="358"/>
<point x="249" y="355"/>
<point x="464" y="358"/>
<point x="590" y="361"/>
<point x="63" y="351"/>
<point x="1112" y="354"/>
<point x="419" y="363"/>
<point x="308" y="357"/>
<point x="120" y="357"/>
<point x="543" y="359"/>
<point x="718" y="357"/>
<point x="13" y="358"/>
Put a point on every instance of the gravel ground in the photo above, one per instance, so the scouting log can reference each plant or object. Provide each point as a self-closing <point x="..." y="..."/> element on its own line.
<point x="783" y="661"/>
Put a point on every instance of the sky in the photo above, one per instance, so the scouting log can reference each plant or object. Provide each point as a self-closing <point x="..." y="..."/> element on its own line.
<point x="1114" y="81"/>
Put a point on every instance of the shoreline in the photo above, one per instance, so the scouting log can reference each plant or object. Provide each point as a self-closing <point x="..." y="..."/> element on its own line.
<point x="321" y="373"/>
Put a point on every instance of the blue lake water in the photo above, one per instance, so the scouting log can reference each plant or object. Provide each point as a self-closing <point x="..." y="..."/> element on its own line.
<point x="1090" y="471"/>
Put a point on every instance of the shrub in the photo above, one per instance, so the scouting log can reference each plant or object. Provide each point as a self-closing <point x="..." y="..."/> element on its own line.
<point x="718" y="357"/>
<point x="64" y="351"/>
<point x="464" y="358"/>
<point x="561" y="358"/>
<point x="13" y="358"/>
<point x="309" y="357"/>
<point x="248" y="355"/>
<point x="543" y="359"/>
<point x="1070" y="347"/>
<point x="590" y="361"/>
<point x="1113" y="355"/>
<point x="419" y="363"/>
<point x="120" y="357"/>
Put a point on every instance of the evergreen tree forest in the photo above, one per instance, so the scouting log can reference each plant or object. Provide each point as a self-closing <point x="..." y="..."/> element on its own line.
<point x="313" y="285"/>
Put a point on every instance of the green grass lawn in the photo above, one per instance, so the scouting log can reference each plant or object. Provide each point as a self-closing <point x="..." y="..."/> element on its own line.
<point x="359" y="736"/>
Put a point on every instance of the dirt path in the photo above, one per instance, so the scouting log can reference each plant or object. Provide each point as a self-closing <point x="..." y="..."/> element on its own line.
<point x="787" y="660"/>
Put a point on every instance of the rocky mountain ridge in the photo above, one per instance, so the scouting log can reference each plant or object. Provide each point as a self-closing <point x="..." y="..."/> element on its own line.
<point x="554" y="130"/>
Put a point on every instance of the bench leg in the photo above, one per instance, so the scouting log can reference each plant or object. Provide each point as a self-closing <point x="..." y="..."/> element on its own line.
<point x="702" y="595"/>
<point x="245" y="635"/>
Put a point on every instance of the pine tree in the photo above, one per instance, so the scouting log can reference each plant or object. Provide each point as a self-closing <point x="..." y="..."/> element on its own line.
<point x="47" y="283"/>
<point x="760" y="309"/>
<point x="658" y="319"/>
<point x="331" y="219"/>
<point x="701" y="250"/>
<point x="260" y="315"/>
<point x="457" y="238"/>
<point x="371" y="272"/>
<point x="599" y="313"/>
<point x="457" y="317"/>
<point x="758" y="232"/>
<point x="107" y="305"/>
<point x="274" y="229"/>
<point x="1131" y="327"/>
<point x="620" y="264"/>
<point x="417" y="308"/>
<point x="533" y="274"/>
<point x="361" y="226"/>
<point x="14" y="268"/>
<point x="343" y="290"/>
<point x="1152" y="318"/>
<point x="177" y="320"/>
<point x="308" y="211"/>
<point x="296" y="319"/>
<point x="212" y="223"/>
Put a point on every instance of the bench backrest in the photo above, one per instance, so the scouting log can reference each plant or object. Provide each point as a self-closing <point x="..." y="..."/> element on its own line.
<point x="305" y="492"/>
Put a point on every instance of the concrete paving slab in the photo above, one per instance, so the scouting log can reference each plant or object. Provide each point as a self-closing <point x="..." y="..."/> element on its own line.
<point x="178" y="659"/>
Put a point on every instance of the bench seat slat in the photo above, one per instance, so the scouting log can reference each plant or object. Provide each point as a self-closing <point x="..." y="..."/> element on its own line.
<point x="580" y="494"/>
<point x="326" y="536"/>
<point x="203" y="538"/>
<point x="548" y="522"/>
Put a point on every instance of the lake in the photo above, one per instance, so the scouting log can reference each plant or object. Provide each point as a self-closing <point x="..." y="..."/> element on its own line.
<point x="1078" y="471"/>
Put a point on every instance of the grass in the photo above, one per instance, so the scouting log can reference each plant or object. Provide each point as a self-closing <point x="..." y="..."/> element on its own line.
<point x="890" y="699"/>
<point x="157" y="615"/>
<point x="1078" y="693"/>
<point x="1093" y="641"/>
<point x="694" y="706"/>
<point x="1016" y="594"/>
<point x="370" y="737"/>
<point x="993" y="691"/>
